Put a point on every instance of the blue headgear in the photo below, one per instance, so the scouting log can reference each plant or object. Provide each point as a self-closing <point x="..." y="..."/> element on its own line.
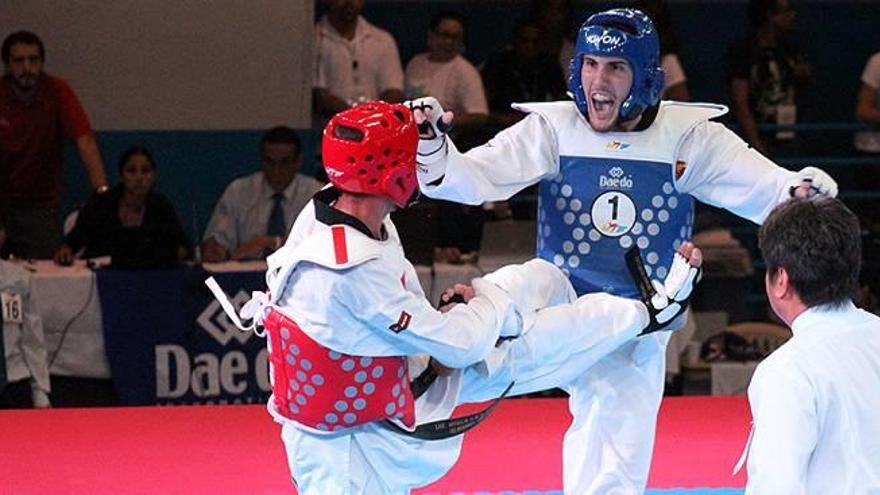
<point x="630" y="35"/>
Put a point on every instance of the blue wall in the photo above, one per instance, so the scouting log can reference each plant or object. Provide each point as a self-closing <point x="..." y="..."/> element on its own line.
<point x="193" y="166"/>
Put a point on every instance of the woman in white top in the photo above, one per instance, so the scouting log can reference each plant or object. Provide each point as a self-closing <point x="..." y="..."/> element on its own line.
<point x="445" y="74"/>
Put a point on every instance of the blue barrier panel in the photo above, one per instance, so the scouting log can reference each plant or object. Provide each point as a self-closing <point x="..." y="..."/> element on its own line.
<point x="168" y="341"/>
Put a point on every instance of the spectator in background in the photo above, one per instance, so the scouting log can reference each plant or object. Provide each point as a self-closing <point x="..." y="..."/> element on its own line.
<point x="868" y="106"/>
<point x="675" y="84"/>
<point x="765" y="71"/>
<point x="255" y="212"/>
<point x="354" y="60"/>
<point x="814" y="401"/>
<point x="521" y="72"/>
<point x="868" y="141"/>
<point x="444" y="73"/>
<point x="131" y="203"/>
<point x="559" y="27"/>
<point x="37" y="111"/>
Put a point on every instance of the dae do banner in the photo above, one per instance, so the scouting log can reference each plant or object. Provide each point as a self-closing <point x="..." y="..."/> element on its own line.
<point x="169" y="342"/>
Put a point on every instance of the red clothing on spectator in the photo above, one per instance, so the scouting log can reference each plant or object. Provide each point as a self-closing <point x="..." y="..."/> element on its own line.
<point x="32" y="140"/>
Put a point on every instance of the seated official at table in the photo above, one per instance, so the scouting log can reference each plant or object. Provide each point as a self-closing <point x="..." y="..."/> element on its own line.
<point x="131" y="203"/>
<point x="255" y="212"/>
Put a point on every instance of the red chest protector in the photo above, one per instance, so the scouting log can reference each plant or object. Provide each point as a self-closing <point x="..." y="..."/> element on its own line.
<point x="327" y="390"/>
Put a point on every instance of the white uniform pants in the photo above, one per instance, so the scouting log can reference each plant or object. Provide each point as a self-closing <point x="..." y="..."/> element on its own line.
<point x="614" y="400"/>
<point x="607" y="449"/>
<point x="615" y="383"/>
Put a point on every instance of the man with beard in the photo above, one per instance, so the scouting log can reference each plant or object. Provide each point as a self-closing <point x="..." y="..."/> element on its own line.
<point x="37" y="111"/>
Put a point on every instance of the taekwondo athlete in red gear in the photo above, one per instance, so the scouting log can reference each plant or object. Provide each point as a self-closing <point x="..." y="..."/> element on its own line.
<point x="348" y="325"/>
<point x="617" y="168"/>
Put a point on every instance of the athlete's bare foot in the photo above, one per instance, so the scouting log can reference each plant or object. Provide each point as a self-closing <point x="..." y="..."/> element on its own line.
<point x="692" y="254"/>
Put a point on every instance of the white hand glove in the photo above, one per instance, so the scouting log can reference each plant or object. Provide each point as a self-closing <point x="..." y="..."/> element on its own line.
<point x="670" y="299"/>
<point x="433" y="124"/>
<point x="811" y="181"/>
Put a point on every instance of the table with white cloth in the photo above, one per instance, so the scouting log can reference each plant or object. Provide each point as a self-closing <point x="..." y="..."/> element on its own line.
<point x="66" y="298"/>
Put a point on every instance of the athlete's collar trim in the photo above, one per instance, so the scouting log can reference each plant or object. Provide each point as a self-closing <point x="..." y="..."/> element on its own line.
<point x="329" y="215"/>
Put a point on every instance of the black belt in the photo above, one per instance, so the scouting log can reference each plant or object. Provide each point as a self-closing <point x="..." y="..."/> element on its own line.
<point x="444" y="428"/>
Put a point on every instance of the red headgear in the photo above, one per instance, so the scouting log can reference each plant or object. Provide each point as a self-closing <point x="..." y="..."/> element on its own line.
<point x="371" y="149"/>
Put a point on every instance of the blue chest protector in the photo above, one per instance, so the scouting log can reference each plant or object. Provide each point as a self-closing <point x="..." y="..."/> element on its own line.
<point x="597" y="208"/>
<point x="614" y="190"/>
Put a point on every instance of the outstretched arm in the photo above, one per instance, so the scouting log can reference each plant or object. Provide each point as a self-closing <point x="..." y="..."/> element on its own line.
<point x="723" y="171"/>
<point x="514" y="159"/>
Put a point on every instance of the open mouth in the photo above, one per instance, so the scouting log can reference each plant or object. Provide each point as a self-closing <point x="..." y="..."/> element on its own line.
<point x="603" y="104"/>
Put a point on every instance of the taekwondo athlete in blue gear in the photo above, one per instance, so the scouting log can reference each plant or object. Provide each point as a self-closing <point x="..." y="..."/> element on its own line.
<point x="617" y="167"/>
<point x="629" y="202"/>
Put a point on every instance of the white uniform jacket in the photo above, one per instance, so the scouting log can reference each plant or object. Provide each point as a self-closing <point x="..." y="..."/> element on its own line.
<point x="348" y="290"/>
<point x="708" y="160"/>
<point x="816" y="408"/>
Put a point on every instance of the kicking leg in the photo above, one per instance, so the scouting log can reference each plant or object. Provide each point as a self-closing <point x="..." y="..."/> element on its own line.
<point x="562" y="342"/>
